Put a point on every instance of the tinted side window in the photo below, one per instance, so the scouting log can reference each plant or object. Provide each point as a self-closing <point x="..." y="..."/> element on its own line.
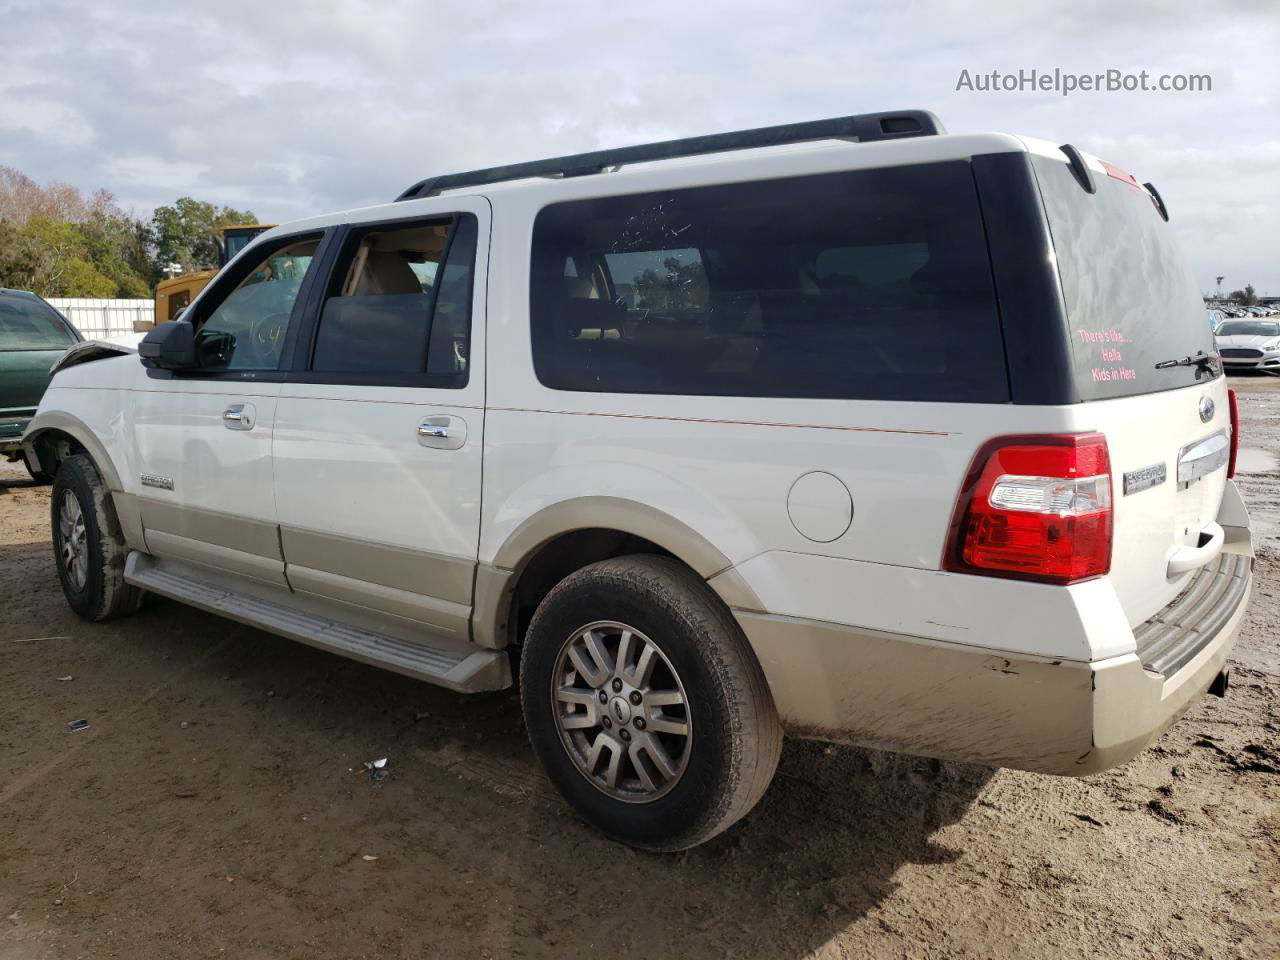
<point x="30" y="324"/>
<point x="401" y="304"/>
<point x="861" y="285"/>
<point x="246" y="330"/>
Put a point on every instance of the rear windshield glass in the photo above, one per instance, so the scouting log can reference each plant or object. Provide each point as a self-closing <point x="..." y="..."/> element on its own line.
<point x="870" y="284"/>
<point x="1131" y="298"/>
<point x="27" y="324"/>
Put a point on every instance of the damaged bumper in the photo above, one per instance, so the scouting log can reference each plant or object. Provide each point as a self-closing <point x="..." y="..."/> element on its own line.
<point x="968" y="703"/>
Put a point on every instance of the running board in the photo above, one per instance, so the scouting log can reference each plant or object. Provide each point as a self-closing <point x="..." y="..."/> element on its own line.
<point x="466" y="672"/>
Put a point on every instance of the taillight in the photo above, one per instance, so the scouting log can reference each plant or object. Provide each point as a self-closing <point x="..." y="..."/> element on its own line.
<point x="1037" y="508"/>
<point x="1235" y="433"/>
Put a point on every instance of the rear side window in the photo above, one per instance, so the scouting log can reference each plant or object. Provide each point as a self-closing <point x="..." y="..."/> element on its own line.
<point x="29" y="324"/>
<point x="871" y="284"/>
<point x="401" y="304"/>
<point x="1130" y="296"/>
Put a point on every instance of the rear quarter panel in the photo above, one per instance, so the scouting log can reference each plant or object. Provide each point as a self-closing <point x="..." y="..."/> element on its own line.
<point x="723" y="467"/>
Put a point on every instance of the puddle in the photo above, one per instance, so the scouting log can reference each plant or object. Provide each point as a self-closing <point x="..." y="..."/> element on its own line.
<point x="1253" y="460"/>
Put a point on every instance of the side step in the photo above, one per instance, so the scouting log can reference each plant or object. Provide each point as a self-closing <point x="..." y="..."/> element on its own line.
<point x="466" y="672"/>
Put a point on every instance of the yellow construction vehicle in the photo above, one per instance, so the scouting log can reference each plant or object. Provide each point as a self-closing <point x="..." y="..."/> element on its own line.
<point x="173" y="294"/>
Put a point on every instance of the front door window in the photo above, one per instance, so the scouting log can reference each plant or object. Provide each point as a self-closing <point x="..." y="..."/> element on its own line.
<point x="246" y="330"/>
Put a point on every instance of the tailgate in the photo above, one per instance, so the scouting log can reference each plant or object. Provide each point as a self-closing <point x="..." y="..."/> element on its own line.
<point x="1144" y="373"/>
<point x="1161" y="519"/>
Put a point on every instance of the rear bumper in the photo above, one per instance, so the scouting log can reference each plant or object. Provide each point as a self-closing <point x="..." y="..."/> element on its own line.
<point x="965" y="702"/>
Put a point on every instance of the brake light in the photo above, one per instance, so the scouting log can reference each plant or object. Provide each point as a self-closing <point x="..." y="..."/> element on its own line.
<point x="1037" y="508"/>
<point x="1117" y="174"/>
<point x="1234" y="407"/>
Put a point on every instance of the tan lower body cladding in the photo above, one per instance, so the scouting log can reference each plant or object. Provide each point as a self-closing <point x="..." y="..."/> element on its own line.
<point x="953" y="702"/>
<point x="410" y="585"/>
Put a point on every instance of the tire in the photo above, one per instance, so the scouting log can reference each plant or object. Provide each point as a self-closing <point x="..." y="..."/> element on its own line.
<point x="89" y="549"/>
<point x="39" y="476"/>
<point x="711" y="775"/>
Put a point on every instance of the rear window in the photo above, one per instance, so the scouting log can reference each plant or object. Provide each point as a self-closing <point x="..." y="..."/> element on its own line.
<point x="870" y="284"/>
<point x="1131" y="298"/>
<point x="29" y="324"/>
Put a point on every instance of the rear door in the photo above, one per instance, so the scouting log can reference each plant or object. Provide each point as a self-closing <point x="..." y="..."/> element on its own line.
<point x="1132" y="306"/>
<point x="378" y="432"/>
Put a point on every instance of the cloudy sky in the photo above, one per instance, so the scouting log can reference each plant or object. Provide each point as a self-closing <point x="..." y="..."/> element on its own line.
<point x="295" y="108"/>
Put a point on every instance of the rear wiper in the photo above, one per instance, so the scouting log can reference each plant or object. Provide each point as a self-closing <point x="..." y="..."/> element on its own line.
<point x="1203" y="361"/>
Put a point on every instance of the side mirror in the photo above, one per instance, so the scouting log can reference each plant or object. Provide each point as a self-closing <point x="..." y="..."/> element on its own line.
<point x="170" y="346"/>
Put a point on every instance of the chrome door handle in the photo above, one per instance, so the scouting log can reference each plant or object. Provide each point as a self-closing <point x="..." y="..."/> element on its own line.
<point x="442" y="433"/>
<point x="239" y="416"/>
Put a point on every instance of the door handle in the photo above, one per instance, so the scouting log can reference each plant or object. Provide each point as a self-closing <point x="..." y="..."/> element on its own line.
<point x="1185" y="559"/>
<point x="442" y="433"/>
<point x="239" y="416"/>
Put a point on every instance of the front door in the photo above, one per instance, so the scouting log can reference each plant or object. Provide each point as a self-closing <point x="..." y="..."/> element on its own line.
<point x="203" y="437"/>
<point x="378" y="440"/>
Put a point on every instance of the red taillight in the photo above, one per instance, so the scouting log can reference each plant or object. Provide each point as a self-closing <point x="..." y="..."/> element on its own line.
<point x="1038" y="508"/>
<point x="1235" y="433"/>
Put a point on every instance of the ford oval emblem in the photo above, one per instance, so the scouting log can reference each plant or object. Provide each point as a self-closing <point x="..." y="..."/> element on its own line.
<point x="1206" y="409"/>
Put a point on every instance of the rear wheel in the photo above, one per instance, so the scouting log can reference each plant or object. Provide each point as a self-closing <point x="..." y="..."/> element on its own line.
<point x="646" y="705"/>
<point x="88" y="546"/>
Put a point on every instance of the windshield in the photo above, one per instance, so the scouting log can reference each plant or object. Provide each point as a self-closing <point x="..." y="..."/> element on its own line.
<point x="29" y="324"/>
<point x="1131" y="299"/>
<point x="1249" y="328"/>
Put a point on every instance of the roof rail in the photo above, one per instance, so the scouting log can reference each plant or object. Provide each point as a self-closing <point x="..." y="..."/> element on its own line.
<point x="862" y="128"/>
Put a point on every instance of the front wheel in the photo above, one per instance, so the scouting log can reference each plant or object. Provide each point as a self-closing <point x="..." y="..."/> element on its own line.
<point x="89" y="548"/>
<point x="645" y="704"/>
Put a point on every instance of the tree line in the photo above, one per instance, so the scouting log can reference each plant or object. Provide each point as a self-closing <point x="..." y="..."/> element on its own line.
<point x="60" y="242"/>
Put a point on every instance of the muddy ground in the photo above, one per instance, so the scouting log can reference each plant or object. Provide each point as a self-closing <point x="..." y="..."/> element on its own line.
<point x="217" y="807"/>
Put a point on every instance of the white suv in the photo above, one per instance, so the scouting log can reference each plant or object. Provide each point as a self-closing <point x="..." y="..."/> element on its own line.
<point x="849" y="430"/>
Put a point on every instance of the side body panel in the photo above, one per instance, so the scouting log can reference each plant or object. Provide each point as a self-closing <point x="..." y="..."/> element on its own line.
<point x="724" y="469"/>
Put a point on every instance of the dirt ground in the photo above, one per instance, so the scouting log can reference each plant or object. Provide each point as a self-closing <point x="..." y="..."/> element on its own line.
<point x="217" y="806"/>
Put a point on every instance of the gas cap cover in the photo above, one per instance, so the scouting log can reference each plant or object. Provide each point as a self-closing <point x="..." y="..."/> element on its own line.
<point x="820" y="507"/>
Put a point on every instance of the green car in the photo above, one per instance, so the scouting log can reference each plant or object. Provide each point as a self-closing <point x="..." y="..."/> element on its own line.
<point x="32" y="336"/>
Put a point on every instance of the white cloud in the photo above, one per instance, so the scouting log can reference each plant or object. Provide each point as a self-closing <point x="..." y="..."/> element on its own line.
<point x="293" y="109"/>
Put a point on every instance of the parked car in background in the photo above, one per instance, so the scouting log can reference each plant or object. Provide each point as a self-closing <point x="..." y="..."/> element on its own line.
<point x="32" y="336"/>
<point x="1215" y="317"/>
<point x="1248" y="344"/>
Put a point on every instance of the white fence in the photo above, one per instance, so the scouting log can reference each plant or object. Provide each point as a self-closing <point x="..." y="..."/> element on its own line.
<point x="96" y="319"/>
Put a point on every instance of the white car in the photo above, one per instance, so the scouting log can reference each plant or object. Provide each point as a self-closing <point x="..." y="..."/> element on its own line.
<point x="850" y="430"/>
<point x="1249" y="344"/>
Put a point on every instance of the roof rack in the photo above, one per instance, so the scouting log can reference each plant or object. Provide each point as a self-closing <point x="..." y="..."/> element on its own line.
<point x="862" y="128"/>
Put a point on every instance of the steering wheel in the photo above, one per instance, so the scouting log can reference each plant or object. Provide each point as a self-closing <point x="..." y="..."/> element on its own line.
<point x="265" y="336"/>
